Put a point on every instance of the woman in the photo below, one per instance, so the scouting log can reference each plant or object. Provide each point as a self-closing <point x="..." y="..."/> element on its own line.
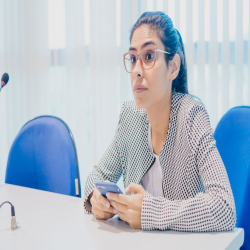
<point x="164" y="145"/>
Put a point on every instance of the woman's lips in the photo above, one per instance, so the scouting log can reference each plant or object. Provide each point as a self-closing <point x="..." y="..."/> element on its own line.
<point x="139" y="90"/>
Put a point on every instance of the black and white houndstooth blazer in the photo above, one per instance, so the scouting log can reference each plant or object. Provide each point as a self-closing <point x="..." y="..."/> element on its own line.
<point x="197" y="192"/>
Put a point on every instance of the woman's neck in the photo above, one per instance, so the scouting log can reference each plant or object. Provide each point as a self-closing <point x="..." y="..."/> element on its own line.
<point x="158" y="116"/>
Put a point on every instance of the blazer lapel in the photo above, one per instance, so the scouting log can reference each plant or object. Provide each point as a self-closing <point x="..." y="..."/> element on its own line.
<point x="148" y="158"/>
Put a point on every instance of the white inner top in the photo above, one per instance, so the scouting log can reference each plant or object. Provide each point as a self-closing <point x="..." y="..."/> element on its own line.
<point x="152" y="180"/>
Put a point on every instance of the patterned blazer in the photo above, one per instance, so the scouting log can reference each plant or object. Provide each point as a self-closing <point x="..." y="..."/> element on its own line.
<point x="197" y="192"/>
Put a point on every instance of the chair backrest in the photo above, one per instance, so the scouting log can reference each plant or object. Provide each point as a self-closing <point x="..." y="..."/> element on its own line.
<point x="232" y="136"/>
<point x="43" y="156"/>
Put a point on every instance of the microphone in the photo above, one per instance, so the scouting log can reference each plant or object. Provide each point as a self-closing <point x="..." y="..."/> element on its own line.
<point x="4" y="80"/>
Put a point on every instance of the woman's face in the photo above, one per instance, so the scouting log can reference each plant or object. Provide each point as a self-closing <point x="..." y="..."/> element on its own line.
<point x="156" y="81"/>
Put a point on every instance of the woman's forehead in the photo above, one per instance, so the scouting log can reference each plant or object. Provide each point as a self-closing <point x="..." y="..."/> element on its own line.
<point x="142" y="35"/>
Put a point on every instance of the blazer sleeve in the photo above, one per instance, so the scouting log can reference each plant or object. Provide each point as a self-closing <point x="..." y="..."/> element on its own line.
<point x="109" y="167"/>
<point x="213" y="210"/>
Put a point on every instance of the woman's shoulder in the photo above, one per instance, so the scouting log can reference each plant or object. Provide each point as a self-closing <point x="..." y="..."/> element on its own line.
<point x="188" y="104"/>
<point x="130" y="111"/>
<point x="192" y="112"/>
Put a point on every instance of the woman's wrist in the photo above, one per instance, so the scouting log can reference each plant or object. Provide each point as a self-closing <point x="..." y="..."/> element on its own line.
<point x="91" y="194"/>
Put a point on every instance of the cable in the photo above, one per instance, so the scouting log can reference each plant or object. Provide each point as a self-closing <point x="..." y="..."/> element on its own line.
<point x="13" y="216"/>
<point x="12" y="208"/>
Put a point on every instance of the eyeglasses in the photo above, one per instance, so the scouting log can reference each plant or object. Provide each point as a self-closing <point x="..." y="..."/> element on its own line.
<point x="147" y="58"/>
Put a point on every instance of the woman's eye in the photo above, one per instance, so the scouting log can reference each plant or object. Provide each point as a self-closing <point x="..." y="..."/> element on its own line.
<point x="149" y="56"/>
<point x="132" y="59"/>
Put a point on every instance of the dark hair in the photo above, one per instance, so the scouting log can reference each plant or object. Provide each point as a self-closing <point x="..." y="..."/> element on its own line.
<point x="171" y="40"/>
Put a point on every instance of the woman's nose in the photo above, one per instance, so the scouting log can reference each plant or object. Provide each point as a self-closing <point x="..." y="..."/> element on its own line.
<point x="138" y="71"/>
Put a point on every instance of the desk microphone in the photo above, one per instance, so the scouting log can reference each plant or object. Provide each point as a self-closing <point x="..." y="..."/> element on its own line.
<point x="13" y="217"/>
<point x="4" y="80"/>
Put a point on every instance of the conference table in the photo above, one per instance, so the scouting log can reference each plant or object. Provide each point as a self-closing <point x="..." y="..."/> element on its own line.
<point x="53" y="221"/>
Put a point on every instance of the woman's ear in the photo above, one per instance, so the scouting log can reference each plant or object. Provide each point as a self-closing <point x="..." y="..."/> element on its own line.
<point x="176" y="62"/>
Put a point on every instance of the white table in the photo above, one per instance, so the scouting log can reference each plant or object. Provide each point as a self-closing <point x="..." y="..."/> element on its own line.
<point x="54" y="221"/>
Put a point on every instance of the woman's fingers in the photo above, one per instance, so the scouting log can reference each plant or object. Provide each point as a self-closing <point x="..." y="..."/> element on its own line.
<point x="103" y="208"/>
<point x="119" y="207"/>
<point x="121" y="216"/>
<point x="101" y="215"/>
<point x="95" y="202"/>
<point x="105" y="202"/>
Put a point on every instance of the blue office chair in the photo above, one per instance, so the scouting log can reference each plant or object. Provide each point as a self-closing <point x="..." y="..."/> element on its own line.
<point x="43" y="156"/>
<point x="232" y="137"/>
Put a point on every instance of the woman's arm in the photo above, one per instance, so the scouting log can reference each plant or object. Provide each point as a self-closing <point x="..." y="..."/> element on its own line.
<point x="213" y="210"/>
<point x="108" y="168"/>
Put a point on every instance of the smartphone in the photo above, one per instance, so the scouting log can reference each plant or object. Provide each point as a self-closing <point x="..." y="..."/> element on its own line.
<point x="105" y="187"/>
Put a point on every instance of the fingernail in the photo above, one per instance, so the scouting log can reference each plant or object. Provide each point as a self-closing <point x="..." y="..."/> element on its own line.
<point x="107" y="204"/>
<point x="114" y="211"/>
<point x="107" y="195"/>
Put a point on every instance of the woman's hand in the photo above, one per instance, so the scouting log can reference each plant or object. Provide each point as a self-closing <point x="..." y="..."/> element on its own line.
<point x="129" y="207"/>
<point x="101" y="206"/>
